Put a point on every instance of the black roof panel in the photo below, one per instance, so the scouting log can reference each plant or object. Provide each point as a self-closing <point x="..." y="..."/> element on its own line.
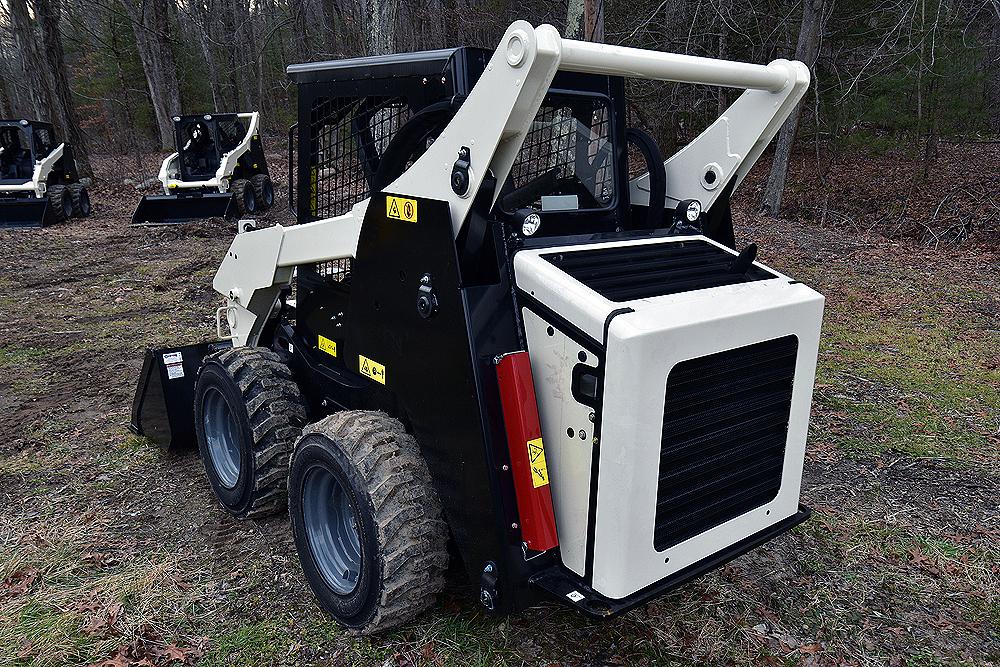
<point x="395" y="64"/>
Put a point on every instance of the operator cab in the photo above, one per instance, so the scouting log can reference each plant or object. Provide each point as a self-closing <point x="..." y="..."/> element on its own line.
<point x="22" y="143"/>
<point x="203" y="140"/>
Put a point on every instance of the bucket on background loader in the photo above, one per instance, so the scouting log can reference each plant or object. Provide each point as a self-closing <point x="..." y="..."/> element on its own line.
<point x="162" y="409"/>
<point x="28" y="212"/>
<point x="178" y="209"/>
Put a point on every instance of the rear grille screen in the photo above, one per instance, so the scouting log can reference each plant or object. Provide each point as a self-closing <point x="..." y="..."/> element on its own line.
<point x="647" y="270"/>
<point x="725" y="424"/>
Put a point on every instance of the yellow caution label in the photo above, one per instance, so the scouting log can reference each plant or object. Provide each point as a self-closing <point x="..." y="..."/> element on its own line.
<point x="399" y="208"/>
<point x="328" y="346"/>
<point x="371" y="369"/>
<point x="536" y="457"/>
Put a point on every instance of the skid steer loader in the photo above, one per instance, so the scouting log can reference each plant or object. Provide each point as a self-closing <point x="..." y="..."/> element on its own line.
<point x="38" y="181"/>
<point x="482" y="333"/>
<point x="219" y="170"/>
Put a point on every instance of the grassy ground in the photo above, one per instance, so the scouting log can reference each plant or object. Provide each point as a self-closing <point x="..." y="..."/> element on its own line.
<point x="112" y="553"/>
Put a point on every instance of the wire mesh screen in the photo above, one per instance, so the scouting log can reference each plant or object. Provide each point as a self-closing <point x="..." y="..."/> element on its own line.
<point x="231" y="132"/>
<point x="349" y="136"/>
<point x="572" y="137"/>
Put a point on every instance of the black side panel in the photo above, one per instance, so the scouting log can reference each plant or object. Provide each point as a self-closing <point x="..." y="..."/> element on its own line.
<point x="428" y="369"/>
<point x="163" y="406"/>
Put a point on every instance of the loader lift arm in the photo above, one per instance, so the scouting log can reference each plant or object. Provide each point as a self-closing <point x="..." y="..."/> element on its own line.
<point x="489" y="130"/>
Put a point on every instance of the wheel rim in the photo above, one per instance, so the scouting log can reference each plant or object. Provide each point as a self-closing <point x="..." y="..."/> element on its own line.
<point x="221" y="435"/>
<point x="84" y="202"/>
<point x="67" y="205"/>
<point x="249" y="200"/>
<point x="331" y="529"/>
<point x="268" y="192"/>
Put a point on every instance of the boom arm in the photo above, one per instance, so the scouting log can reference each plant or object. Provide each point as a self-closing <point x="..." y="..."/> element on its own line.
<point x="492" y="124"/>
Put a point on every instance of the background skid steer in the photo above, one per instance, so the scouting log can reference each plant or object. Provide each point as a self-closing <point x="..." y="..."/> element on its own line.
<point x="499" y="339"/>
<point x="219" y="170"/>
<point x="38" y="180"/>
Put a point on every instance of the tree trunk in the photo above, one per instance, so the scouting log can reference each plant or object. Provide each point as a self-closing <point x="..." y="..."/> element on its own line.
<point x="151" y="25"/>
<point x="807" y="51"/>
<point x="64" y="115"/>
<point x="33" y="65"/>
<point x="381" y="32"/>
<point x="574" y="12"/>
<point x="593" y="20"/>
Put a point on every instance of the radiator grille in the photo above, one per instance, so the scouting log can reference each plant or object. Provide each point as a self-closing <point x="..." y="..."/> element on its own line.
<point x="725" y="423"/>
<point x="648" y="270"/>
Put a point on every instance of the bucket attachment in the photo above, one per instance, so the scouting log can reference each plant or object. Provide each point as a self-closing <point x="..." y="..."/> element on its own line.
<point x="177" y="209"/>
<point x="28" y="212"/>
<point x="163" y="407"/>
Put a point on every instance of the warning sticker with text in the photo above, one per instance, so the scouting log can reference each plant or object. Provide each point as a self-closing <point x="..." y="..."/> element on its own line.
<point x="371" y="369"/>
<point x="328" y="346"/>
<point x="399" y="208"/>
<point x="536" y="457"/>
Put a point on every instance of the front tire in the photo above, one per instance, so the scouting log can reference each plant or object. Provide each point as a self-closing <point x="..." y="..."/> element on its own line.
<point x="367" y="522"/>
<point x="81" y="200"/>
<point x="248" y="414"/>
<point x="264" y="190"/>
<point x="246" y="198"/>
<point x="61" y="202"/>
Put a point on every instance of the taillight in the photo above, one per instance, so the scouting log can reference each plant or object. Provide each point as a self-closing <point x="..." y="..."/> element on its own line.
<point x="527" y="452"/>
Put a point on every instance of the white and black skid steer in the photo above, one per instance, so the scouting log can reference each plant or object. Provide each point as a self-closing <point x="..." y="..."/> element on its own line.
<point x="39" y="184"/>
<point x="500" y="340"/>
<point x="219" y="170"/>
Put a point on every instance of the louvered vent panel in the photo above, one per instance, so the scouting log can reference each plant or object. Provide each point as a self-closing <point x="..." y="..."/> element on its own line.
<point x="725" y="424"/>
<point x="643" y="271"/>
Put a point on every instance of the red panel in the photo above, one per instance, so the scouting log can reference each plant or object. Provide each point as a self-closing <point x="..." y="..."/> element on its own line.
<point x="527" y="453"/>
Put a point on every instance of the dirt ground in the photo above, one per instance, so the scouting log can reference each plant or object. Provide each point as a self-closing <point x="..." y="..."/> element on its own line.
<point x="113" y="553"/>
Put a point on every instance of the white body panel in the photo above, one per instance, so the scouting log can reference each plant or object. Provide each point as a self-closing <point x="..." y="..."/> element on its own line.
<point x="641" y="348"/>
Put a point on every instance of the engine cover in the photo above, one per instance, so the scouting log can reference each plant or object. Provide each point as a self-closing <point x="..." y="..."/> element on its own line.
<point x="674" y="395"/>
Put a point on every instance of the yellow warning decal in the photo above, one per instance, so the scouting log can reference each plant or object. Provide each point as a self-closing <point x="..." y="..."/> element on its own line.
<point x="539" y="471"/>
<point x="328" y="346"/>
<point x="399" y="208"/>
<point x="371" y="369"/>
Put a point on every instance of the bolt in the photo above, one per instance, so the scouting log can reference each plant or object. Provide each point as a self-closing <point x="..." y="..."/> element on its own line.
<point x="505" y="467"/>
<point x="592" y="417"/>
<point x="424" y="81"/>
<point x="514" y="525"/>
<point x="443" y="79"/>
<point x="583" y="434"/>
<point x="425" y="279"/>
<point x="595" y="440"/>
<point x="324" y="402"/>
<point x="488" y="568"/>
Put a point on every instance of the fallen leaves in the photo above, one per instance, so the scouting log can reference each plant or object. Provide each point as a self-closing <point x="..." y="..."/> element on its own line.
<point x="19" y="582"/>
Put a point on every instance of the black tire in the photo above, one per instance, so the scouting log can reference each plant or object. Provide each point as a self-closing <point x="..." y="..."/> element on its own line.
<point x="246" y="198"/>
<point x="248" y="414"/>
<point x="374" y="467"/>
<point x="60" y="202"/>
<point x="81" y="200"/>
<point x="264" y="190"/>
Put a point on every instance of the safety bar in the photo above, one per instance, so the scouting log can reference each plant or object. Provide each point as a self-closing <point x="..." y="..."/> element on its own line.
<point x="639" y="63"/>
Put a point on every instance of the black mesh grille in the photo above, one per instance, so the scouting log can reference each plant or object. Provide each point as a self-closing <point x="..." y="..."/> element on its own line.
<point x="725" y="423"/>
<point x="332" y="271"/>
<point x="643" y="271"/>
<point x="571" y="136"/>
<point x="349" y="136"/>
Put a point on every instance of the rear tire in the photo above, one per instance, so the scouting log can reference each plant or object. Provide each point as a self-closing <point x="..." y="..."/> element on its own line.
<point x="61" y="203"/>
<point x="367" y="522"/>
<point x="264" y="190"/>
<point x="81" y="200"/>
<point x="246" y="198"/>
<point x="248" y="414"/>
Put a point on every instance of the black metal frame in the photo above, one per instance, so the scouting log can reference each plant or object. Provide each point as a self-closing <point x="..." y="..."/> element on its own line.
<point x="251" y="163"/>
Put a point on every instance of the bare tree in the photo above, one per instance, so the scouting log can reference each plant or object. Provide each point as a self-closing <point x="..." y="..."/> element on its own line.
<point x="31" y="63"/>
<point x="151" y="26"/>
<point x="807" y="50"/>
<point x="64" y="114"/>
